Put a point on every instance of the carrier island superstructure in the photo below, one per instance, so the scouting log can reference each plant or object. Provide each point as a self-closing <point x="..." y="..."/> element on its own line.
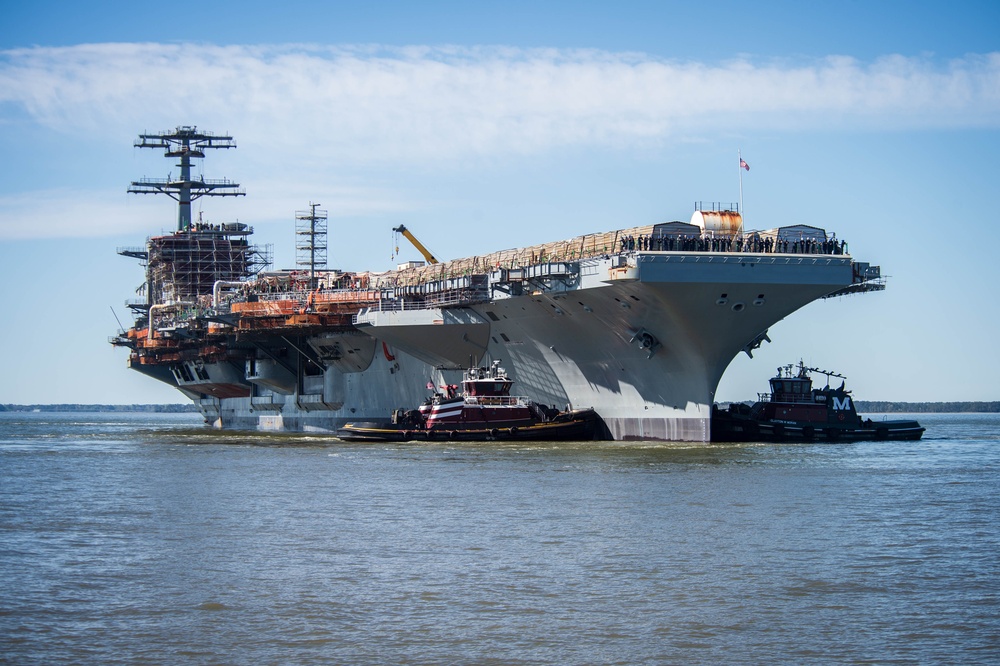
<point x="638" y="323"/>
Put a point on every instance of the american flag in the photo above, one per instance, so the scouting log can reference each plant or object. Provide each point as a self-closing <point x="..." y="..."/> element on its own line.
<point x="744" y="165"/>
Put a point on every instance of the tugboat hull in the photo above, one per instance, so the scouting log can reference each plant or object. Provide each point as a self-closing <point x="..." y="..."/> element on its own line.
<point x="727" y="427"/>
<point x="577" y="425"/>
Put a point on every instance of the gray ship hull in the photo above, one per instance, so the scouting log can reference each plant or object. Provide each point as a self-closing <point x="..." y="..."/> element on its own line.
<point x="644" y="344"/>
<point x="321" y="403"/>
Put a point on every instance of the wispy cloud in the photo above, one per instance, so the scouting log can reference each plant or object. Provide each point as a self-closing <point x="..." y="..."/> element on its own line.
<point x="77" y="213"/>
<point x="71" y="213"/>
<point x="374" y="103"/>
<point x="310" y="117"/>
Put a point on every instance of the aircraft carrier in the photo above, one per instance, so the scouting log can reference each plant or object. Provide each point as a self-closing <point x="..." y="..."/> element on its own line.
<point x="637" y="323"/>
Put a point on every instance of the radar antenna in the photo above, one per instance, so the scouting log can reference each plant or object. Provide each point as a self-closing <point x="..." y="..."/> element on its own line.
<point x="185" y="142"/>
<point x="823" y="372"/>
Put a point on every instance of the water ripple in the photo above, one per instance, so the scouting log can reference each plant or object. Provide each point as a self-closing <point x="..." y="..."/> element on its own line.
<point x="133" y="539"/>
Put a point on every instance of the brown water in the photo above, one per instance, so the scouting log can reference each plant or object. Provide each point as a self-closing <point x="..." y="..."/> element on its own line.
<point x="135" y="539"/>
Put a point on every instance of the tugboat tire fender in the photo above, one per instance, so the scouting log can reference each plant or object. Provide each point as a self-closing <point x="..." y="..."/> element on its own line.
<point x="513" y="430"/>
<point x="808" y="432"/>
<point x="494" y="432"/>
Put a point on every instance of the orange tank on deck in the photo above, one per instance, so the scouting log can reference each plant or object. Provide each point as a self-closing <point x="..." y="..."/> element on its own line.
<point x="718" y="222"/>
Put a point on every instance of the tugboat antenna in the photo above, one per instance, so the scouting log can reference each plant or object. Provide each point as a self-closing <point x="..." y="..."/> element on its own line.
<point x="827" y="373"/>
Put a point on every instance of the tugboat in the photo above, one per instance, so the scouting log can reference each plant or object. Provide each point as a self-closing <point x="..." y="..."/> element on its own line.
<point x="794" y="411"/>
<point x="484" y="411"/>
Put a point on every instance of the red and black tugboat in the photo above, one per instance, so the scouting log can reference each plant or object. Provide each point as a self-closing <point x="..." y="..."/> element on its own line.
<point x="483" y="411"/>
<point x="794" y="411"/>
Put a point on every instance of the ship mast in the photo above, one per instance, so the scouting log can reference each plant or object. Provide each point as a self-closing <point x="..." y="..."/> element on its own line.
<point x="310" y="246"/>
<point x="185" y="142"/>
<point x="185" y="265"/>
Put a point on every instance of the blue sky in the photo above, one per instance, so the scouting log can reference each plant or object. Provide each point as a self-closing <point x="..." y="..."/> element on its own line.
<point x="482" y="126"/>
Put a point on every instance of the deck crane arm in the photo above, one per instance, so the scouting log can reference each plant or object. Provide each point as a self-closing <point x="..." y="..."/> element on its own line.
<point x="431" y="259"/>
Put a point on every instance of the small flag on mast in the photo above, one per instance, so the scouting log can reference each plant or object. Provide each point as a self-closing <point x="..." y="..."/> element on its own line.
<point x="744" y="165"/>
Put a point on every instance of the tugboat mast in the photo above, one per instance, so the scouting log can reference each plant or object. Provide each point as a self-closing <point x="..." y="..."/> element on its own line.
<point x="185" y="142"/>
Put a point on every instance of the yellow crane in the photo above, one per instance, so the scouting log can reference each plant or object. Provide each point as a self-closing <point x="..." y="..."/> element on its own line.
<point x="431" y="259"/>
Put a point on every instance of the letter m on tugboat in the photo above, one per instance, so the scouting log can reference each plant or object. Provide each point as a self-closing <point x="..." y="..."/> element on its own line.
<point x="841" y="404"/>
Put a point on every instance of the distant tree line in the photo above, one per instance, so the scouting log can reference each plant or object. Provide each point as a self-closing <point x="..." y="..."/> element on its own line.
<point x="172" y="408"/>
